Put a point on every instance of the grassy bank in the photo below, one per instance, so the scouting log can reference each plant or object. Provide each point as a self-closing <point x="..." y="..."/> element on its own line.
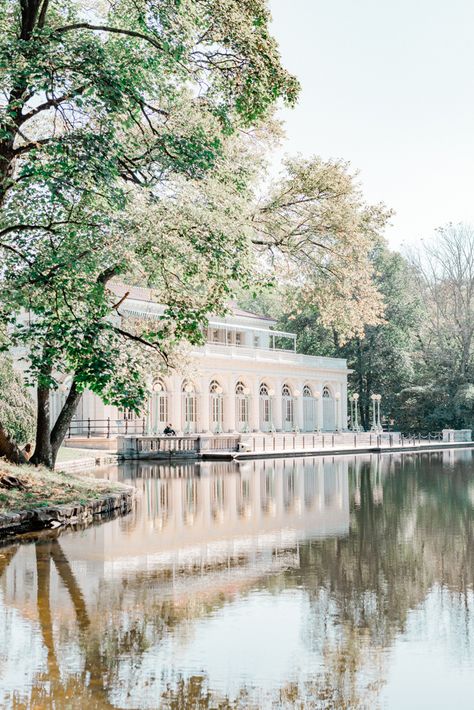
<point x="40" y="487"/>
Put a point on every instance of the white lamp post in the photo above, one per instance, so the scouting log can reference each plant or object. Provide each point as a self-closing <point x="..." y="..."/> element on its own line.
<point x="376" y="423"/>
<point x="355" y="397"/>
<point x="373" y="397"/>
<point x="379" y="399"/>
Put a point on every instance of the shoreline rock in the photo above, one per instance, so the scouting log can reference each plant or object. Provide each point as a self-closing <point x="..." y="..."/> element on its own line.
<point x="19" y="522"/>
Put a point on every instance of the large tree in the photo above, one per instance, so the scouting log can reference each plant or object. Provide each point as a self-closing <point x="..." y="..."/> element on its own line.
<point x="100" y="106"/>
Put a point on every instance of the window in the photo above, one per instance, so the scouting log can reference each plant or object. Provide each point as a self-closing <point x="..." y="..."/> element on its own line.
<point x="327" y="393"/>
<point x="285" y="391"/>
<point x="307" y="391"/>
<point x="215" y="388"/>
<point x="256" y="341"/>
<point x="263" y="390"/>
<point x="238" y="339"/>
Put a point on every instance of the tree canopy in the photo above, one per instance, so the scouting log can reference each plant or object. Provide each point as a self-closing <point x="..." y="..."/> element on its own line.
<point x="133" y="145"/>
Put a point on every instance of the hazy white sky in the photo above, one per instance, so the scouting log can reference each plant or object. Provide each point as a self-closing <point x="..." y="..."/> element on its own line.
<point x="388" y="85"/>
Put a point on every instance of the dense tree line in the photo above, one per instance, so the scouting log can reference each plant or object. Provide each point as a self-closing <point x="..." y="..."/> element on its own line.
<point x="420" y="356"/>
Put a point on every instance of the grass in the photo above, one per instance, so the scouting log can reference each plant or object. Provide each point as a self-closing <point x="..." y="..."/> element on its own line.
<point x="66" y="453"/>
<point x="43" y="488"/>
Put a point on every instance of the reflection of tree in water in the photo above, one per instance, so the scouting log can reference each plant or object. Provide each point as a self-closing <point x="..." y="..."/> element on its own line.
<point x="366" y="584"/>
<point x="411" y="530"/>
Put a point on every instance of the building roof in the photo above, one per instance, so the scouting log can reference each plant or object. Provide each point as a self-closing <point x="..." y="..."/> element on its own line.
<point x="236" y="311"/>
<point x="140" y="293"/>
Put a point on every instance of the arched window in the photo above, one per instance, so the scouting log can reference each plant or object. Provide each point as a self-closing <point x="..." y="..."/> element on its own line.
<point x="215" y="388"/>
<point x="329" y="412"/>
<point x="189" y="407"/>
<point x="242" y="407"/>
<point x="240" y="388"/>
<point x="266" y="406"/>
<point x="287" y="408"/>
<point x="216" y="406"/>
<point x="309" y="409"/>
<point x="158" y="406"/>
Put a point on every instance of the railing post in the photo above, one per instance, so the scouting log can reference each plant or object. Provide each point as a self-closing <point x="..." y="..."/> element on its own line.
<point x="126" y="426"/>
<point x="88" y="428"/>
<point x="323" y="441"/>
<point x="108" y="427"/>
<point x="143" y="427"/>
<point x="333" y="440"/>
<point x="198" y="445"/>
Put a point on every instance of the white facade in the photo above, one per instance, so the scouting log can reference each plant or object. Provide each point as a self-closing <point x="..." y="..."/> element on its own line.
<point x="248" y="378"/>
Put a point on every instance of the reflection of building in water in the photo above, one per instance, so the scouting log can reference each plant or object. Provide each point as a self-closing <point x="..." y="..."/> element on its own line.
<point x="225" y="502"/>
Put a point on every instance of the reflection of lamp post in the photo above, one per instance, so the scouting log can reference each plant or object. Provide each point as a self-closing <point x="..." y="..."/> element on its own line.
<point x="296" y="428"/>
<point x="271" y="394"/>
<point x="337" y="397"/>
<point x="317" y="397"/>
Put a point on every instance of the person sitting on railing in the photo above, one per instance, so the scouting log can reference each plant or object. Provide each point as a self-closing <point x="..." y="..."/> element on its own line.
<point x="168" y="430"/>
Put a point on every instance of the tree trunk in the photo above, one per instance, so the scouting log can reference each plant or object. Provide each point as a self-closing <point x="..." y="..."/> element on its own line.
<point x="43" y="453"/>
<point x="63" y="421"/>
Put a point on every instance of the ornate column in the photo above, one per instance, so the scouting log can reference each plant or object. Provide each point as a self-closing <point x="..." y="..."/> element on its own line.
<point x="175" y="405"/>
<point x="276" y="406"/>
<point x="229" y="404"/>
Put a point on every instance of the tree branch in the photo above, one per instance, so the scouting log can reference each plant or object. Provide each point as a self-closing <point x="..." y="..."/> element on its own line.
<point x="113" y="30"/>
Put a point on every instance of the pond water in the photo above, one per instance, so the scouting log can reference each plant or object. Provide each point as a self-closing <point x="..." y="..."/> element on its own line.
<point x="342" y="582"/>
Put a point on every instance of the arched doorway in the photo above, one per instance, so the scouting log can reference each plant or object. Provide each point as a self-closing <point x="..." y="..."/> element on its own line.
<point x="288" y="408"/>
<point x="242" y="407"/>
<point x="329" y="418"/>
<point x="266" y="407"/>
<point x="158" y="407"/>
<point x="189" y="408"/>
<point x="216" y="403"/>
<point x="309" y="409"/>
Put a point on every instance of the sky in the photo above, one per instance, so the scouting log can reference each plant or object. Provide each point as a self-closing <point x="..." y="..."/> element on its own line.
<point x="389" y="86"/>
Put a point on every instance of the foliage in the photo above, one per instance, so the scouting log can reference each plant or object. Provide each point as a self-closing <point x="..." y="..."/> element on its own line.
<point x="16" y="406"/>
<point x="317" y="229"/>
<point x="107" y="111"/>
<point x="384" y="359"/>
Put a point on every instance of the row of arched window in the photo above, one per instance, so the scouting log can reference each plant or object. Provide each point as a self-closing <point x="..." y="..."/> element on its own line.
<point x="240" y="389"/>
